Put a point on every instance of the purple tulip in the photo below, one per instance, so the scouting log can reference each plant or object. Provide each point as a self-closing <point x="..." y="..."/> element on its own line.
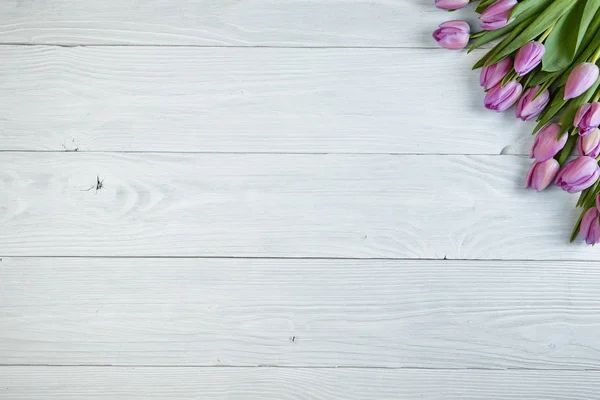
<point x="541" y="174"/>
<point x="587" y="118"/>
<point x="581" y="79"/>
<point x="590" y="227"/>
<point x="528" y="108"/>
<point x="547" y="143"/>
<point x="589" y="145"/>
<point x="496" y="16"/>
<point x="528" y="57"/>
<point x="451" y="4"/>
<point x="501" y="98"/>
<point x="493" y="74"/>
<point x="453" y="35"/>
<point x="578" y="175"/>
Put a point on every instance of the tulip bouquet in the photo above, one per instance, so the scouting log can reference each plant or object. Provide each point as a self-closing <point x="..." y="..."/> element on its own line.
<point x="546" y="65"/>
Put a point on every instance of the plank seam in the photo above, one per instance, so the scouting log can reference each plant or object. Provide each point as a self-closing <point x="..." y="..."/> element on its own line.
<point x="258" y="153"/>
<point x="297" y="367"/>
<point x="311" y="258"/>
<point x="437" y="48"/>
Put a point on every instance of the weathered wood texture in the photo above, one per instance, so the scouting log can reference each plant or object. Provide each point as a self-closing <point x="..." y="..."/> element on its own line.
<point x="107" y="383"/>
<point x="269" y="205"/>
<point x="249" y="100"/>
<point x="380" y="23"/>
<point x="235" y="312"/>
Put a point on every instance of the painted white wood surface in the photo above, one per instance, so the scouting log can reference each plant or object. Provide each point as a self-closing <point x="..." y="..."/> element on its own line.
<point x="309" y="313"/>
<point x="373" y="23"/>
<point x="107" y="383"/>
<point x="249" y="100"/>
<point x="270" y="78"/>
<point x="281" y="205"/>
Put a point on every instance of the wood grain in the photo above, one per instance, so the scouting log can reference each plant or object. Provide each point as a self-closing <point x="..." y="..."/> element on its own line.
<point x="33" y="383"/>
<point x="249" y="100"/>
<point x="310" y="313"/>
<point x="261" y="205"/>
<point x="380" y="23"/>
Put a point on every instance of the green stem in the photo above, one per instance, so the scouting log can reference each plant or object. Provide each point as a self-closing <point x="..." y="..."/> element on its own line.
<point x="546" y="33"/>
<point x="545" y="86"/>
<point x="566" y="151"/>
<point x="509" y="77"/>
<point x="595" y="56"/>
<point x="596" y="97"/>
<point x="577" y="225"/>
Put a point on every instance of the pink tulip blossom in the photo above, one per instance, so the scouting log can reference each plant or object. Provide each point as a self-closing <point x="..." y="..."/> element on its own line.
<point x="547" y="143"/>
<point x="541" y="174"/>
<point x="528" y="57"/>
<point x="581" y="79"/>
<point x="587" y="118"/>
<point x="528" y="108"/>
<point x="501" y="98"/>
<point x="589" y="145"/>
<point x="453" y="35"/>
<point x="493" y="74"/>
<point x="451" y="4"/>
<point x="497" y="15"/>
<point x="578" y="175"/>
<point x="589" y="230"/>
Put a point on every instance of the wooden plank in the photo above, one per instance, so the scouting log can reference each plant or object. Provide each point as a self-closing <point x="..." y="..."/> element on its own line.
<point x="381" y="23"/>
<point x="310" y="313"/>
<point x="249" y="100"/>
<point x="33" y="383"/>
<point x="269" y="205"/>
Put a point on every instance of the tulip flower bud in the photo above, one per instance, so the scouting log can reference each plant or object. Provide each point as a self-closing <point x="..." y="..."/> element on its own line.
<point x="528" y="57"/>
<point x="547" y="143"/>
<point x="496" y="16"/>
<point x="453" y="35"/>
<point x="541" y="174"/>
<point x="587" y="118"/>
<point x="589" y="230"/>
<point x="528" y="108"/>
<point x="493" y="74"/>
<point x="578" y="175"/>
<point x="451" y="4"/>
<point x="581" y="79"/>
<point x="501" y="98"/>
<point x="589" y="145"/>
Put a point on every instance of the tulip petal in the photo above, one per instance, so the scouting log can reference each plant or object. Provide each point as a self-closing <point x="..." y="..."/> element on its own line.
<point x="580" y="80"/>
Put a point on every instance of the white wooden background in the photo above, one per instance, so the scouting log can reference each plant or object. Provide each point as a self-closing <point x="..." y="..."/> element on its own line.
<point x="301" y="200"/>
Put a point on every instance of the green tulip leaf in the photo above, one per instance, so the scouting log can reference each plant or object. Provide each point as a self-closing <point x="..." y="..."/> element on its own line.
<point x="567" y="35"/>
<point x="523" y="6"/>
<point x="577" y="226"/>
<point x="477" y="35"/>
<point x="483" y="5"/>
<point x="590" y="27"/>
<point x="591" y="41"/>
<point x="541" y="77"/>
<point x="566" y="151"/>
<point x="488" y="36"/>
<point x="524" y="15"/>
<point x="550" y="112"/>
<point x="530" y="77"/>
<point x="509" y="38"/>
<point x="546" y="19"/>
